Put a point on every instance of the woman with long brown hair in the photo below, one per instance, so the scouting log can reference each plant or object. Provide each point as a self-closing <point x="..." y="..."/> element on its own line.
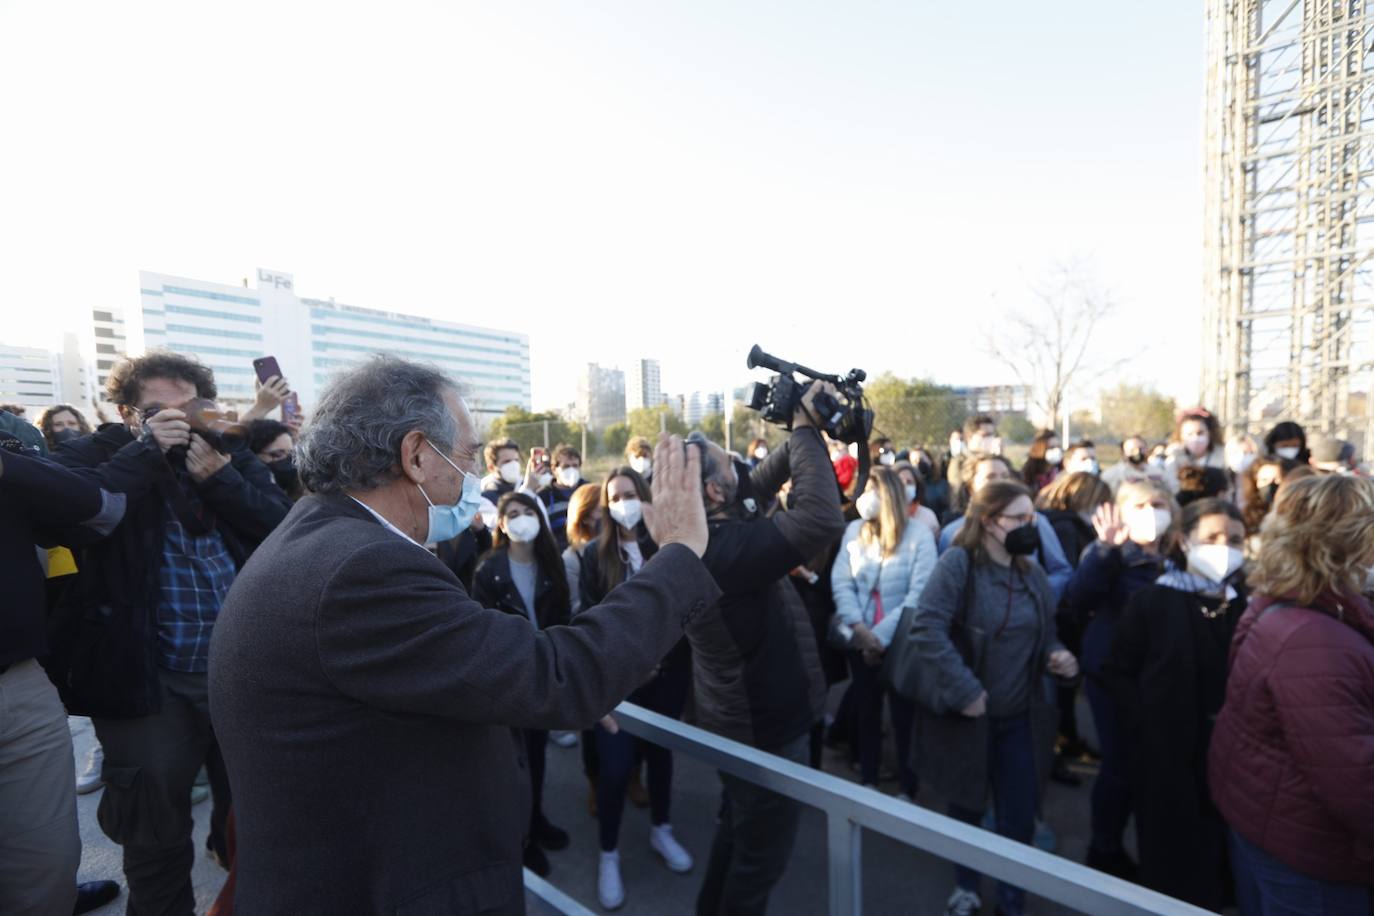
<point x="619" y="552"/>
<point x="1044" y="462"/>
<point x="982" y="638"/>
<point x="1292" y="751"/>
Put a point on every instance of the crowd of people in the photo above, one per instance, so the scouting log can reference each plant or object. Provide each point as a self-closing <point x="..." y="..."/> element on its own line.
<point x="242" y="605"/>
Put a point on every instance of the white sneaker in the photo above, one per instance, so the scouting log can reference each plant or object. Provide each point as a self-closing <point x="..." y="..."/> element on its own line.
<point x="564" y="739"/>
<point x="90" y="778"/>
<point x="963" y="903"/>
<point x="609" y="888"/>
<point x="662" y="841"/>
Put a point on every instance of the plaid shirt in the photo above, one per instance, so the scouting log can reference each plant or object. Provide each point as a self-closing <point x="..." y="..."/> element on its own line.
<point x="196" y="573"/>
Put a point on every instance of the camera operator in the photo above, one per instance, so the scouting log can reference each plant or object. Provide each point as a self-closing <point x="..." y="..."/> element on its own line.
<point x="757" y="674"/>
<point x="42" y="505"/>
<point x="140" y="615"/>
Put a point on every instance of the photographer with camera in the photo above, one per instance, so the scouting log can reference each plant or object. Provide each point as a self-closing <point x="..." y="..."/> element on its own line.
<point x="756" y="668"/>
<point x="136" y="623"/>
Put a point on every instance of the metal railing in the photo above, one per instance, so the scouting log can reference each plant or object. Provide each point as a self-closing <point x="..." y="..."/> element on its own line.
<point x="849" y="809"/>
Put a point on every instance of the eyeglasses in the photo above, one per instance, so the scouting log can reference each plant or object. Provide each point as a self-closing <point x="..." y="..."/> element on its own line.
<point x="1019" y="519"/>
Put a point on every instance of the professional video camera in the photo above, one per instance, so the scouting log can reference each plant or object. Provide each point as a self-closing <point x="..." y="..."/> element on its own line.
<point x="846" y="418"/>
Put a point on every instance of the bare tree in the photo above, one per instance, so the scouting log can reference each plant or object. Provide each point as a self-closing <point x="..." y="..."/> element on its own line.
<point x="1049" y="346"/>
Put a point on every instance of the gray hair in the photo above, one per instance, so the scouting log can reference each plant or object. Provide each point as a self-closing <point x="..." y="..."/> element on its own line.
<point x="353" y="441"/>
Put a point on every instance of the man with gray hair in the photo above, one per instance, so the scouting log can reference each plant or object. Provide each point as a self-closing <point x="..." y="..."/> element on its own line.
<point x="365" y="703"/>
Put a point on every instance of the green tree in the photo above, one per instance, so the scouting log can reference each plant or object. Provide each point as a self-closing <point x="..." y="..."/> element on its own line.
<point x="1130" y="410"/>
<point x="913" y="411"/>
<point x="648" y="421"/>
<point x="713" y="425"/>
<point x="1016" y="428"/>
<point x="529" y="429"/>
<point x="615" y="438"/>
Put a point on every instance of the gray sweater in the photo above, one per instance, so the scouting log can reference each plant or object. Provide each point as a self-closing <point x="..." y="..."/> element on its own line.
<point x="1007" y="651"/>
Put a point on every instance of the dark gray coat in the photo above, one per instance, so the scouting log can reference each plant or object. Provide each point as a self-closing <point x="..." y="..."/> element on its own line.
<point x="947" y="672"/>
<point x="364" y="704"/>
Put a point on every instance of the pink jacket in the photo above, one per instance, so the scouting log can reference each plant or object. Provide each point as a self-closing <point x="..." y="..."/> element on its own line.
<point x="1291" y="764"/>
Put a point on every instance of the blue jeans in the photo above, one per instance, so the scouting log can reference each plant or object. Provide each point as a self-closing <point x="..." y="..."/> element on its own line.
<point x="1015" y="798"/>
<point x="619" y="754"/>
<point x="1267" y="887"/>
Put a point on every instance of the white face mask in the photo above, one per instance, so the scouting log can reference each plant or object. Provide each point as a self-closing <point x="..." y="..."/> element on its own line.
<point x="911" y="492"/>
<point x="522" y="529"/>
<point x="1054" y="455"/>
<point x="1215" y="562"/>
<point x="1158" y="462"/>
<point x="510" y="471"/>
<point x="642" y="465"/>
<point x="1288" y="452"/>
<point x="1147" y="523"/>
<point x="1240" y="462"/>
<point x="1084" y="466"/>
<point x="544" y="479"/>
<point x="627" y="512"/>
<point x="868" y="505"/>
<point x="1197" y="444"/>
<point x="569" y="476"/>
<point x="760" y="453"/>
<point x="887" y="459"/>
<point x="992" y="445"/>
<point x="956" y="447"/>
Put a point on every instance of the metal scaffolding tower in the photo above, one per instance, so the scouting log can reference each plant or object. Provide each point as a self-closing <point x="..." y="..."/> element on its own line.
<point x="1288" y="328"/>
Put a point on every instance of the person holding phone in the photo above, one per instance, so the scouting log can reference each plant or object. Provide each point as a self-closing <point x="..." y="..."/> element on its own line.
<point x="273" y="391"/>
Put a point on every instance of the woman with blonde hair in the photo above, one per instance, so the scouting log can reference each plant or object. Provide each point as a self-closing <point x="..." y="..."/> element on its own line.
<point x="584" y="523"/>
<point x="1134" y="537"/>
<point x="1292" y="751"/>
<point x="883" y="563"/>
<point x="982" y="639"/>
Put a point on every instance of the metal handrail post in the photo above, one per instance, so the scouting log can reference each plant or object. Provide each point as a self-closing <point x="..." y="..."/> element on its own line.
<point x="844" y="840"/>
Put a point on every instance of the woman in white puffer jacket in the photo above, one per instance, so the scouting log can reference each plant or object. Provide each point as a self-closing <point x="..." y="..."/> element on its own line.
<point x="883" y="564"/>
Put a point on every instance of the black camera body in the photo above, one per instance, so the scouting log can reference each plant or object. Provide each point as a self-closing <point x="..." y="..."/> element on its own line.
<point x="846" y="418"/>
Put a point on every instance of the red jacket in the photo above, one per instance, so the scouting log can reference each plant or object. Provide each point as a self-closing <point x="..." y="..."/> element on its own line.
<point x="1291" y="764"/>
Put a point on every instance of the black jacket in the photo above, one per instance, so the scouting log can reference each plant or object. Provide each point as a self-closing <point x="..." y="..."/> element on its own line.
<point x="41" y="505"/>
<point x="494" y="588"/>
<point x="1074" y="533"/>
<point x="364" y="705"/>
<point x="757" y="670"/>
<point x="1167" y="673"/>
<point x="461" y="554"/>
<point x="103" y="628"/>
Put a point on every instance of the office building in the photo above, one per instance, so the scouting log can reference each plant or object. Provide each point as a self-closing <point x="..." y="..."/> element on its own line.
<point x="227" y="327"/>
<point x="702" y="404"/>
<point x="600" y="396"/>
<point x="643" y="385"/>
<point x="30" y="377"/>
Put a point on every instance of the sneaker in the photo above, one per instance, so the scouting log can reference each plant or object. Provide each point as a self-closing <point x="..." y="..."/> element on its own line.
<point x="549" y="836"/>
<point x="92" y="895"/>
<point x="662" y="841"/>
<point x="564" y="739"/>
<point x="609" y="888"/>
<point x="91" y="779"/>
<point x="536" y="861"/>
<point x="963" y="903"/>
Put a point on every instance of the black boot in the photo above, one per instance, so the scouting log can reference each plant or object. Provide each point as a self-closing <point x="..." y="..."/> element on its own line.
<point x="548" y="836"/>
<point x="94" y="894"/>
<point x="536" y="861"/>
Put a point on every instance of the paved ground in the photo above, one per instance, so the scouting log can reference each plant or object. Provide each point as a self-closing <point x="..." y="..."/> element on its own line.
<point x="896" y="880"/>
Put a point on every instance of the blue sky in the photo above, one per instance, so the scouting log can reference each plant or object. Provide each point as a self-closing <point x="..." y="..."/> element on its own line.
<point x="848" y="184"/>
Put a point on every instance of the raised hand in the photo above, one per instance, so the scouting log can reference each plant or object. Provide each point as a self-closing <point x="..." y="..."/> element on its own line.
<point x="678" y="515"/>
<point x="1110" y="527"/>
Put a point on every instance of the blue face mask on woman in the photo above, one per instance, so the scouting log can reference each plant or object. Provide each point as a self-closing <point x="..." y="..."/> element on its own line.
<point x="447" y="522"/>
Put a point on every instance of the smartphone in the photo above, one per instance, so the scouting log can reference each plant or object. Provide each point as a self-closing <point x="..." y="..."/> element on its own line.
<point x="290" y="408"/>
<point x="541" y="458"/>
<point x="266" y="367"/>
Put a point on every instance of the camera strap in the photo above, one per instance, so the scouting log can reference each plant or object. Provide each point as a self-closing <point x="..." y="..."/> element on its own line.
<point x="195" y="518"/>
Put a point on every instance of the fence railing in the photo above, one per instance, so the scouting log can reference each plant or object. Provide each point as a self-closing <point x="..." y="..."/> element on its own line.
<point x="849" y="809"/>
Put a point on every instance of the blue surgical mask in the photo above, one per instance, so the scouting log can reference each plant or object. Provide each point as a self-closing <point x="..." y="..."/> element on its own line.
<point x="447" y="522"/>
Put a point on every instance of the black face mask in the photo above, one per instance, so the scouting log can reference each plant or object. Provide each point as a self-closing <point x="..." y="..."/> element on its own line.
<point x="1023" y="541"/>
<point x="1137" y="458"/>
<point x="65" y="435"/>
<point x="924" y="468"/>
<point x="284" y="473"/>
